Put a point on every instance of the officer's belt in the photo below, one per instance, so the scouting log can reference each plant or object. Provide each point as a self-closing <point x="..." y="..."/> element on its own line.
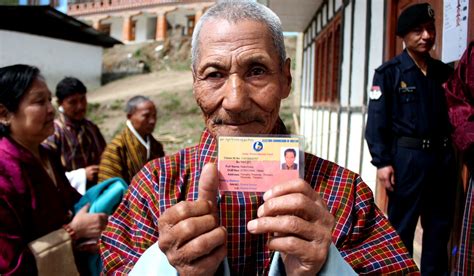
<point x="425" y="144"/>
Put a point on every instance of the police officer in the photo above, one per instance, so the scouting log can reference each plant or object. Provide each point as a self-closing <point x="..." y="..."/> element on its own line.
<point x="407" y="134"/>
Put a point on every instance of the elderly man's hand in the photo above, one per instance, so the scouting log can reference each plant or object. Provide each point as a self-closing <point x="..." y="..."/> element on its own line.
<point x="300" y="223"/>
<point x="190" y="234"/>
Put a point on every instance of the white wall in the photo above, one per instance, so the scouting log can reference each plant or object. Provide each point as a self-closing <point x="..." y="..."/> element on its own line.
<point x="54" y="57"/>
<point x="339" y="135"/>
<point x="179" y="17"/>
<point x="151" y="28"/>
<point x="358" y="54"/>
<point x="346" y="53"/>
<point x="140" y="28"/>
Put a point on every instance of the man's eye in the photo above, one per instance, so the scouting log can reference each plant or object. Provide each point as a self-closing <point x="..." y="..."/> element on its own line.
<point x="214" y="75"/>
<point x="256" y="71"/>
<point x="40" y="101"/>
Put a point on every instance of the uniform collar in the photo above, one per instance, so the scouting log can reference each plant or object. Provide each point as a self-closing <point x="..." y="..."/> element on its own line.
<point x="407" y="62"/>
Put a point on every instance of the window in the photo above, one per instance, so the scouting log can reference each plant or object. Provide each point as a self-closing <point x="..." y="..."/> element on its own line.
<point x="327" y="62"/>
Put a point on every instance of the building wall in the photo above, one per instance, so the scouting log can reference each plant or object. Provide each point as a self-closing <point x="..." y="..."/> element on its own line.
<point x="179" y="18"/>
<point x="116" y="25"/>
<point x="141" y="28"/>
<point x="55" y="58"/>
<point x="336" y="131"/>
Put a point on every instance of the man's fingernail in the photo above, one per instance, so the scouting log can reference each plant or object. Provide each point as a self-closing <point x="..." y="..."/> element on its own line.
<point x="252" y="225"/>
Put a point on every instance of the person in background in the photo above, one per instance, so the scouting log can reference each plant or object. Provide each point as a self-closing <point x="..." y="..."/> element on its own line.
<point x="134" y="145"/>
<point x="36" y="198"/>
<point x="460" y="97"/>
<point x="408" y="134"/>
<point x="76" y="139"/>
<point x="327" y="221"/>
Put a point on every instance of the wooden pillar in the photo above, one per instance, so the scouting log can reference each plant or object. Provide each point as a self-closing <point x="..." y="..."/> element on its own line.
<point x="161" y="27"/>
<point x="127" y="28"/>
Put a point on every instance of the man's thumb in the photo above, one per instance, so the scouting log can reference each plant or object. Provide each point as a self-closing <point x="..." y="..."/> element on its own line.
<point x="209" y="184"/>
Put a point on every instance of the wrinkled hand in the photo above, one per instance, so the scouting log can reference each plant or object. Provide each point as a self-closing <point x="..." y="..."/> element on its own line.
<point x="300" y="223"/>
<point x="92" y="173"/>
<point x="190" y="235"/>
<point x="386" y="177"/>
<point x="87" y="225"/>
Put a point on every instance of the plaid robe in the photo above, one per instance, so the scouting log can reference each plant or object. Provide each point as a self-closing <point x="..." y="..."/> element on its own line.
<point x="362" y="234"/>
<point x="125" y="156"/>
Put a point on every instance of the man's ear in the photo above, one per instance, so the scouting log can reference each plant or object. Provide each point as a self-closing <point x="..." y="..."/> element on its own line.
<point x="129" y="116"/>
<point x="287" y="79"/>
<point x="5" y="115"/>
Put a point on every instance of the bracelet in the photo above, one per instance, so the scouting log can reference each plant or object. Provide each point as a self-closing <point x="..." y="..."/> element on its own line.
<point x="70" y="231"/>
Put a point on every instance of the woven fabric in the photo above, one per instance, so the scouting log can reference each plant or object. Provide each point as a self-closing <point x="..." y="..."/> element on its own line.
<point x="362" y="234"/>
<point x="80" y="144"/>
<point x="124" y="156"/>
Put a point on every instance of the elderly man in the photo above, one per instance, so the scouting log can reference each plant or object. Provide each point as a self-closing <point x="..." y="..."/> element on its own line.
<point x="408" y="136"/>
<point x="76" y="139"/>
<point x="241" y="74"/>
<point x="134" y="145"/>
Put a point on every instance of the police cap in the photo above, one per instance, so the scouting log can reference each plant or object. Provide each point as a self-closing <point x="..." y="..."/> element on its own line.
<point x="413" y="16"/>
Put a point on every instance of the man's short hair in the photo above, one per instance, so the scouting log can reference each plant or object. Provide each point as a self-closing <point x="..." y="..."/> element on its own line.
<point x="414" y="16"/>
<point x="132" y="104"/>
<point x="236" y="11"/>
<point x="291" y="150"/>
<point x="68" y="87"/>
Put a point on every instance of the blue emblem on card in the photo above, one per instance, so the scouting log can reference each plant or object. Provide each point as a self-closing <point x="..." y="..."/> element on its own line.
<point x="257" y="146"/>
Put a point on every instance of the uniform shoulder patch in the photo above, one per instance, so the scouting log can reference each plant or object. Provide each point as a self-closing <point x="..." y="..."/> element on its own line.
<point x="375" y="93"/>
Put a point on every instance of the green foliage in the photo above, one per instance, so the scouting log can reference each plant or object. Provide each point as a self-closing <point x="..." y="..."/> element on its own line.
<point x="94" y="113"/>
<point x="137" y="53"/>
<point x="171" y="102"/>
<point x="117" y="104"/>
<point x="9" y="2"/>
<point x="92" y="107"/>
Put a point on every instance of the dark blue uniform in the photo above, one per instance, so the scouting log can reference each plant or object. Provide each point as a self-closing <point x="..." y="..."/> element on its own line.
<point x="408" y="128"/>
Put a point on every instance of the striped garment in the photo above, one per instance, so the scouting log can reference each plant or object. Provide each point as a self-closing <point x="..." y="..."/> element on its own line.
<point x="125" y="156"/>
<point x="80" y="144"/>
<point x="465" y="265"/>
<point x="362" y="234"/>
<point x="460" y="98"/>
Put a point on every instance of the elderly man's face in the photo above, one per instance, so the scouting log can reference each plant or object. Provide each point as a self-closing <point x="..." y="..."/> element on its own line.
<point x="143" y="119"/>
<point x="238" y="80"/>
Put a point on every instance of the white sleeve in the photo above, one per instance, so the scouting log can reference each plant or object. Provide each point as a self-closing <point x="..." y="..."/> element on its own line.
<point x="78" y="180"/>
<point x="153" y="262"/>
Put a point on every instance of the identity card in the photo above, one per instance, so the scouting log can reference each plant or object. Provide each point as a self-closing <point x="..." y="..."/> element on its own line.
<point x="255" y="164"/>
